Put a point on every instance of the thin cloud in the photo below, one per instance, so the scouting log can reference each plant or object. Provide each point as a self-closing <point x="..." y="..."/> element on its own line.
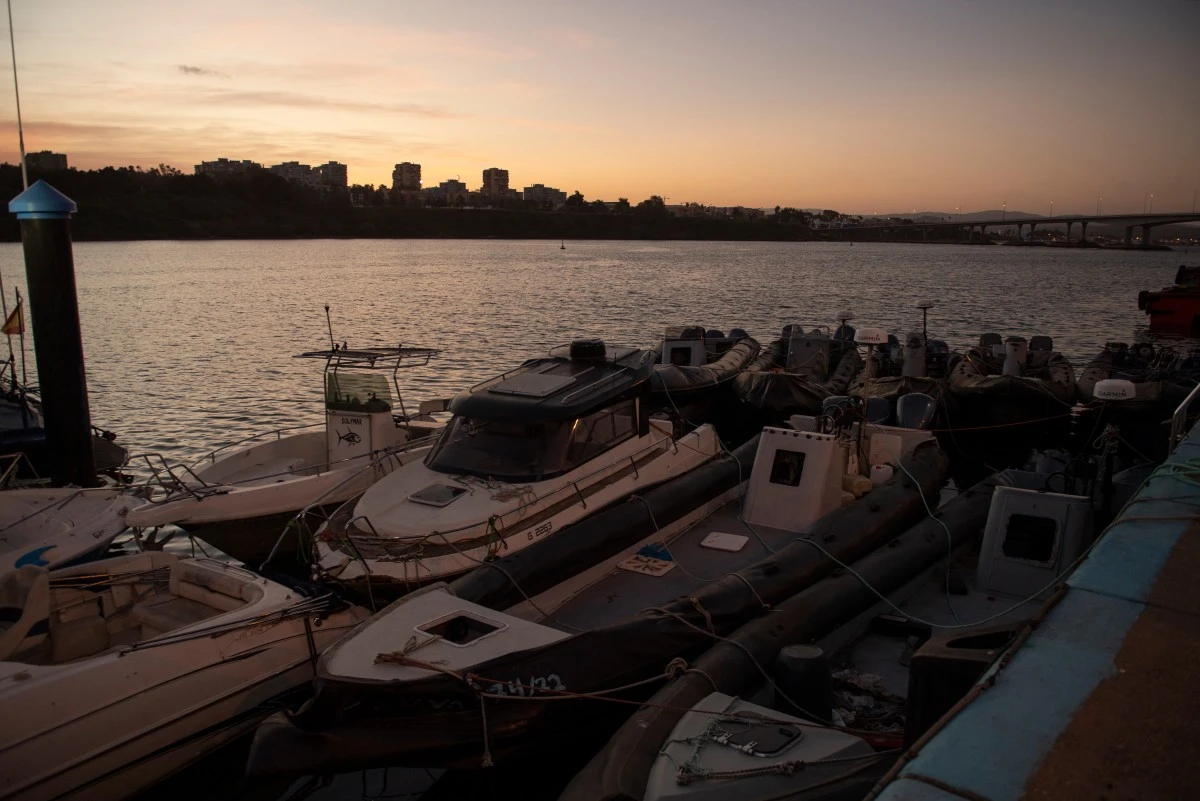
<point x="188" y="69"/>
<point x="257" y="99"/>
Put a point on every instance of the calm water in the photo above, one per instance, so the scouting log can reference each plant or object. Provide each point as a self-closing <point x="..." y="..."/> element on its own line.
<point x="191" y="344"/>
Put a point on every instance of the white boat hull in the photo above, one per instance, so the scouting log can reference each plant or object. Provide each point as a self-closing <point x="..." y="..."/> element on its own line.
<point x="53" y="528"/>
<point x="504" y="521"/>
<point x="109" y="725"/>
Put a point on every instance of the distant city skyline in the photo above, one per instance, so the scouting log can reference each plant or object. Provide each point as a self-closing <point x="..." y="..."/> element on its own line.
<point x="863" y="107"/>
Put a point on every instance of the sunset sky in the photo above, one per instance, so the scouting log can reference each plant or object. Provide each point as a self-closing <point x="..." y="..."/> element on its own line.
<point x="864" y="107"/>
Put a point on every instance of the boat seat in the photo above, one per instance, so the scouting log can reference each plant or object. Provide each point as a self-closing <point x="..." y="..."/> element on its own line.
<point x="211" y="586"/>
<point x="78" y="637"/>
<point x="24" y="609"/>
<point x="168" y="613"/>
<point x="196" y="593"/>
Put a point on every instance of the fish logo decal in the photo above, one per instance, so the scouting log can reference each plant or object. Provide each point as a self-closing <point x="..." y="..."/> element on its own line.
<point x="350" y="438"/>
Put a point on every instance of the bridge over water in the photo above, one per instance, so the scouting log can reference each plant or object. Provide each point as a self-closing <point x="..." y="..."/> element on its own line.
<point x="1129" y="221"/>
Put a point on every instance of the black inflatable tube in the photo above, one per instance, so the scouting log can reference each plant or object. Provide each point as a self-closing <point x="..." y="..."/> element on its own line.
<point x="602" y="535"/>
<point x="620" y="771"/>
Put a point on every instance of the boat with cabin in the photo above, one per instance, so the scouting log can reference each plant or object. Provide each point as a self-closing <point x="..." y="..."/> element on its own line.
<point x="241" y="498"/>
<point x="1175" y="309"/>
<point x="440" y="680"/>
<point x="525" y="454"/>
<point x="118" y="673"/>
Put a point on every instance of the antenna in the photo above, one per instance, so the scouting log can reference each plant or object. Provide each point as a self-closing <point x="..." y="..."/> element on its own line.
<point x="925" y="306"/>
<point x="329" y="325"/>
<point x="17" y="91"/>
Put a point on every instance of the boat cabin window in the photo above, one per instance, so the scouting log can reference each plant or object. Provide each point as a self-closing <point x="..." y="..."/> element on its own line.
<point x="596" y="433"/>
<point x="357" y="392"/>
<point x="1030" y="537"/>
<point x="512" y="450"/>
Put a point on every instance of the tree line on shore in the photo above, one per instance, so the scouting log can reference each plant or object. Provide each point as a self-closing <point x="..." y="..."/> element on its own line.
<point x="125" y="203"/>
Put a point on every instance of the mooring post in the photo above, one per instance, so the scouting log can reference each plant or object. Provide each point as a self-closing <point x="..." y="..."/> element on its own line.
<point x="45" y="216"/>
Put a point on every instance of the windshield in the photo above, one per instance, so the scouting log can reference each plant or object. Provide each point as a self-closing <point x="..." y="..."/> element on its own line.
<point x="511" y="450"/>
<point x="357" y="392"/>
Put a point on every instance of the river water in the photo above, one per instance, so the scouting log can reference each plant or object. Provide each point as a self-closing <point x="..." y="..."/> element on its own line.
<point x="190" y="344"/>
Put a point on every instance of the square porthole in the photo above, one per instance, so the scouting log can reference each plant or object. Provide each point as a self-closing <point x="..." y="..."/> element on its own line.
<point x="787" y="467"/>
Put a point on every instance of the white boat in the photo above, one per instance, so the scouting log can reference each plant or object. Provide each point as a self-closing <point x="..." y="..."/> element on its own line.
<point x="54" y="528"/>
<point x="241" y="497"/>
<point x="391" y="691"/>
<point x="526" y="453"/>
<point x="118" y="673"/>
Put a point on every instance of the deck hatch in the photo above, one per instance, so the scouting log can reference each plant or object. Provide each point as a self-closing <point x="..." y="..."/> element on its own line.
<point x="437" y="495"/>
<point x="533" y="385"/>
<point x="461" y="628"/>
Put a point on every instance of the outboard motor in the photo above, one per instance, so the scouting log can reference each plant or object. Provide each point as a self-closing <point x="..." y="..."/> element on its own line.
<point x="937" y="358"/>
<point x="1041" y="348"/>
<point x="738" y="333"/>
<point x="1119" y="351"/>
<point x="915" y="410"/>
<point x="914" y="357"/>
<point x="991" y="346"/>
<point x="684" y="346"/>
<point x="1016" y="352"/>
<point x="842" y="340"/>
<point x="807" y="354"/>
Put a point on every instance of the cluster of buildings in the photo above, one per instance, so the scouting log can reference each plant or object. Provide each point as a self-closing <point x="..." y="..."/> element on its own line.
<point x="494" y="189"/>
<point x="327" y="175"/>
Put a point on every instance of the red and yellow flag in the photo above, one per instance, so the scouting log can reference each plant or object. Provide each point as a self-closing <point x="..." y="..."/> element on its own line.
<point x="15" y="324"/>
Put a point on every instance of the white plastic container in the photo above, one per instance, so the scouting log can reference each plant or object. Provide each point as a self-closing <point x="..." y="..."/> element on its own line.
<point x="881" y="474"/>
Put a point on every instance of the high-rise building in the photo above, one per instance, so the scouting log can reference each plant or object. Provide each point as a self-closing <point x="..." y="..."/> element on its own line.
<point x="45" y="161"/>
<point x="226" y="168"/>
<point x="495" y="183"/>
<point x="295" y="172"/>
<point x="406" y="177"/>
<point x="545" y="195"/>
<point x="331" y="174"/>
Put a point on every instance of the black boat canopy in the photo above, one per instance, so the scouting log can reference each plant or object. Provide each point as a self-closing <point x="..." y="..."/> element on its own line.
<point x="559" y="386"/>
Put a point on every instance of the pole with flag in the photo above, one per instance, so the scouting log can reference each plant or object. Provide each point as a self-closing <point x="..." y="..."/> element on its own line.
<point x="14" y="325"/>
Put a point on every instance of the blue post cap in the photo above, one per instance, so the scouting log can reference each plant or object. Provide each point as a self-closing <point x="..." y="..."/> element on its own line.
<point x="42" y="202"/>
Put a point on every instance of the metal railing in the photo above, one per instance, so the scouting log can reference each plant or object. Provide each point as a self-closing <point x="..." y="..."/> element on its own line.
<point x="1179" y="420"/>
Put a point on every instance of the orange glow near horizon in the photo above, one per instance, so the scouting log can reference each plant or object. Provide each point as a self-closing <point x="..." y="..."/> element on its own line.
<point x="855" y="106"/>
